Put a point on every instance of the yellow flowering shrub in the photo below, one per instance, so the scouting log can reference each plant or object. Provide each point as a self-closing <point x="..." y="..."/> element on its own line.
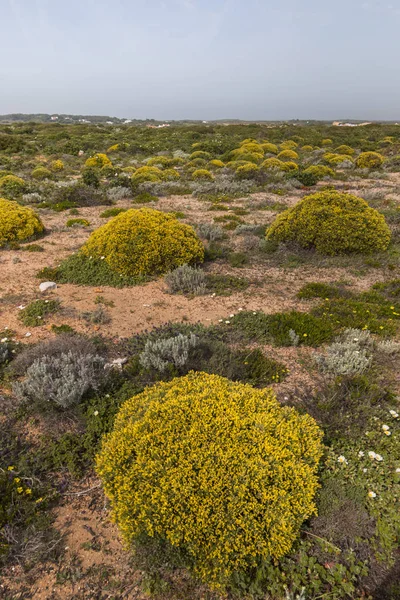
<point x="370" y="160"/>
<point x="217" y="469"/>
<point x="289" y="165"/>
<point x="170" y="175"/>
<point x="113" y="148"/>
<point x="57" y="165"/>
<point x="200" y="154"/>
<point x="336" y="159"/>
<point x="158" y="161"/>
<point x="320" y="171"/>
<point x="345" y="149"/>
<point x="144" y="242"/>
<point x="203" y="174"/>
<point x="12" y="186"/>
<point x="98" y="160"/>
<point x="332" y="223"/>
<point x="17" y="222"/>
<point x="249" y="146"/>
<point x="288" y="145"/>
<point x="288" y="155"/>
<point x="247" y="170"/>
<point x="307" y="148"/>
<point x="147" y="174"/>
<point x="216" y="163"/>
<point x="326" y="142"/>
<point x="269" y="148"/>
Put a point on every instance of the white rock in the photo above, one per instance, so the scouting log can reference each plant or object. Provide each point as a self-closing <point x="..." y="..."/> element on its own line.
<point x="116" y="363"/>
<point x="47" y="285"/>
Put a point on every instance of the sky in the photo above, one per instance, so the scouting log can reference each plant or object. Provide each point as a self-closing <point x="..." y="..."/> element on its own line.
<point x="202" y="59"/>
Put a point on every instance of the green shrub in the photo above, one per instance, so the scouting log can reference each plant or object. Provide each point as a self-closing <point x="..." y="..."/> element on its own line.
<point x="247" y="171"/>
<point x="321" y="290"/>
<point x="76" y="195"/>
<point x="17" y="222"/>
<point x="144" y="242"/>
<point x="78" y="223"/>
<point x="33" y="315"/>
<point x="41" y="173"/>
<point x="344" y="149"/>
<point x="332" y="223"/>
<point x="219" y="461"/>
<point x="337" y="159"/>
<point x="144" y="198"/>
<point x="90" y="177"/>
<point x="269" y="148"/>
<point x="369" y="160"/>
<point x="12" y="186"/>
<point x="275" y="328"/>
<point x="237" y="259"/>
<point x="112" y="212"/>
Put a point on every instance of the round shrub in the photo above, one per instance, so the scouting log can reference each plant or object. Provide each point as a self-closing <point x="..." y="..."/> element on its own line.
<point x="320" y="171"/>
<point x="57" y="165"/>
<point x="326" y="142"/>
<point x="249" y="147"/>
<point x="288" y="145"/>
<point x="203" y="174"/>
<point x="216" y="163"/>
<point x="369" y="160"/>
<point x="200" y="154"/>
<point x="158" y="161"/>
<point x="289" y="166"/>
<point x="41" y="173"/>
<point x="344" y="149"/>
<point x="147" y="174"/>
<point x="273" y="163"/>
<point x="217" y="469"/>
<point x="171" y="175"/>
<point x="17" y="222"/>
<point x="144" y="242"/>
<point x="247" y="171"/>
<point x="332" y="223"/>
<point x="307" y="148"/>
<point x="288" y="155"/>
<point x="12" y="186"/>
<point x="269" y="148"/>
<point x="98" y="160"/>
<point x="336" y="159"/>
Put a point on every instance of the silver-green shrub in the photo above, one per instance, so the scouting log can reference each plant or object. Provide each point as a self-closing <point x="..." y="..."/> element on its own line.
<point x="186" y="280"/>
<point x="118" y="193"/>
<point x="172" y="351"/>
<point x="351" y="354"/>
<point x="209" y="231"/>
<point x="61" y="380"/>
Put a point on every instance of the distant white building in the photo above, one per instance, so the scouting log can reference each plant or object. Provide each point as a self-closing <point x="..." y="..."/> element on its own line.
<point x="127" y="121"/>
<point x="54" y="118"/>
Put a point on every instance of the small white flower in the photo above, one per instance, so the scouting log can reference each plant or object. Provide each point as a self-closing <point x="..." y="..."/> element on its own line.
<point x="397" y="470"/>
<point x="342" y="459"/>
<point x="371" y="454"/>
<point x="387" y="432"/>
<point x="231" y="316"/>
<point x="371" y="494"/>
<point x="286" y="398"/>
<point x="28" y="334"/>
<point x="227" y="322"/>
<point x="96" y="412"/>
<point x="360" y="454"/>
<point x="39" y="317"/>
<point x="107" y="395"/>
<point x="394" y="414"/>
<point x="4" y="340"/>
<point x="213" y="295"/>
<point x="220" y="320"/>
<point x="46" y="301"/>
<point x="378" y="457"/>
<point x="254" y="313"/>
<point x="240" y="309"/>
<point x="102" y="257"/>
<point x="365" y="470"/>
<point x="385" y="427"/>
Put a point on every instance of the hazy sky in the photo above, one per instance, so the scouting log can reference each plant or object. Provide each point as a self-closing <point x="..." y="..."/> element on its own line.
<point x="202" y="59"/>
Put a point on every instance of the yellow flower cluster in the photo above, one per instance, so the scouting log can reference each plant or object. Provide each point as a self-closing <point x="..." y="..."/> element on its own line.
<point x="99" y="160"/>
<point x="17" y="222"/>
<point x="332" y="223"/>
<point x="145" y="242"/>
<point x="370" y="160"/>
<point x="216" y="468"/>
<point x="57" y="165"/>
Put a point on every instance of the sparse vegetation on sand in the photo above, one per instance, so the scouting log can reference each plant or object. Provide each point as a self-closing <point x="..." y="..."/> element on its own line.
<point x="209" y="372"/>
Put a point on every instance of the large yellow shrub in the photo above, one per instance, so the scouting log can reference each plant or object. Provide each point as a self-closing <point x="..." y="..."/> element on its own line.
<point x="57" y="165"/>
<point x="144" y="242"/>
<point x="288" y="155"/>
<point x="370" y="160"/>
<point x="332" y="223"/>
<point x="98" y="160"/>
<point x="215" y="468"/>
<point x="17" y="222"/>
<point x="269" y="148"/>
<point x="147" y="174"/>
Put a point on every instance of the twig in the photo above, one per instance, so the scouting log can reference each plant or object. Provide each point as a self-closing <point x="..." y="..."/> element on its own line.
<point x="321" y="539"/>
<point x="83" y="492"/>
